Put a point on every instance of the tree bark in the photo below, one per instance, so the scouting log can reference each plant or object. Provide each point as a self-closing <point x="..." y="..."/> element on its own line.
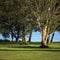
<point x="30" y="35"/>
<point x="23" y="35"/>
<point x="52" y="37"/>
<point x="48" y="39"/>
<point x="12" y="36"/>
<point x="17" y="39"/>
<point x="48" y="36"/>
<point x="45" y="36"/>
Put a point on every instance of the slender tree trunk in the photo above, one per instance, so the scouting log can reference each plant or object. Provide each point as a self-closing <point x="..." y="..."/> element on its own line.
<point x="23" y="35"/>
<point x="30" y="35"/>
<point x="12" y="36"/>
<point x="17" y="39"/>
<point x="48" y="39"/>
<point x="52" y="37"/>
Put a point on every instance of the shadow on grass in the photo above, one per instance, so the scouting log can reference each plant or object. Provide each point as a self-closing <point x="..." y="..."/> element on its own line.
<point x="2" y="59"/>
<point x="47" y="50"/>
<point x="24" y="47"/>
<point x="31" y="48"/>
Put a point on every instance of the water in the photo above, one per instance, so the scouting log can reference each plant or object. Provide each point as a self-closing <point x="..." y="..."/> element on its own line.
<point x="36" y="37"/>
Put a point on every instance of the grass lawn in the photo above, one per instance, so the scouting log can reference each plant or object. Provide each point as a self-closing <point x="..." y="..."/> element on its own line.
<point x="29" y="52"/>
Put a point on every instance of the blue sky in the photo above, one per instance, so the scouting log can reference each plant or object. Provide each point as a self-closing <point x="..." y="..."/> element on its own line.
<point x="36" y="37"/>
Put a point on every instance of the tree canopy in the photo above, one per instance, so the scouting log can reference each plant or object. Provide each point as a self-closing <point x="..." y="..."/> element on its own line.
<point x="17" y="15"/>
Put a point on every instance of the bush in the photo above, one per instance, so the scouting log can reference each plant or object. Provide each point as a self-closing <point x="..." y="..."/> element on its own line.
<point x="4" y="40"/>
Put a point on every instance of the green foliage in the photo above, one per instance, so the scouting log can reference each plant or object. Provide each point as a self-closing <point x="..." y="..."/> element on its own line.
<point x="18" y="13"/>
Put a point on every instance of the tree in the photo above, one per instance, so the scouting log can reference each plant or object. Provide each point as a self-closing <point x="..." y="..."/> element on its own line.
<point x="57" y="29"/>
<point x="46" y="15"/>
<point x="31" y="24"/>
<point x="13" y="14"/>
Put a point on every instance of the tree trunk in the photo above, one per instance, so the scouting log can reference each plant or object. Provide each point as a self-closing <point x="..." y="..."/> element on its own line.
<point x="30" y="35"/>
<point x="23" y="35"/>
<point x="48" y="39"/>
<point x="12" y="36"/>
<point x="48" y="32"/>
<point x="44" y="37"/>
<point x="17" y="39"/>
<point x="52" y="37"/>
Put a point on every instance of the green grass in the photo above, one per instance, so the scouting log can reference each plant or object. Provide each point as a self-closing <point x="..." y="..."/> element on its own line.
<point x="29" y="52"/>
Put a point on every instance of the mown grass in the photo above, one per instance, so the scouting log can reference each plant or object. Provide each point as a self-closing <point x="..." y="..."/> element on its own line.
<point x="32" y="51"/>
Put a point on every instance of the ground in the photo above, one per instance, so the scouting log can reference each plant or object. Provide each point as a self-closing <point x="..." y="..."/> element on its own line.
<point x="29" y="52"/>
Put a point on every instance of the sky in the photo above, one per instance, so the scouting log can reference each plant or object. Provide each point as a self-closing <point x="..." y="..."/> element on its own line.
<point x="36" y="37"/>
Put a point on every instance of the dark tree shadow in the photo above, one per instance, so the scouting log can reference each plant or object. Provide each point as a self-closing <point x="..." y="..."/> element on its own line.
<point x="2" y="59"/>
<point x="32" y="48"/>
<point x="51" y="50"/>
<point x="25" y="47"/>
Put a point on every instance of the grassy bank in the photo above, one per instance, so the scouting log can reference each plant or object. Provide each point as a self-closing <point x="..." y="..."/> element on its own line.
<point x="17" y="51"/>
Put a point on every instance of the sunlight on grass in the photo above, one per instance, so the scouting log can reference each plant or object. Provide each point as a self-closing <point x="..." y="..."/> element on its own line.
<point x="29" y="52"/>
